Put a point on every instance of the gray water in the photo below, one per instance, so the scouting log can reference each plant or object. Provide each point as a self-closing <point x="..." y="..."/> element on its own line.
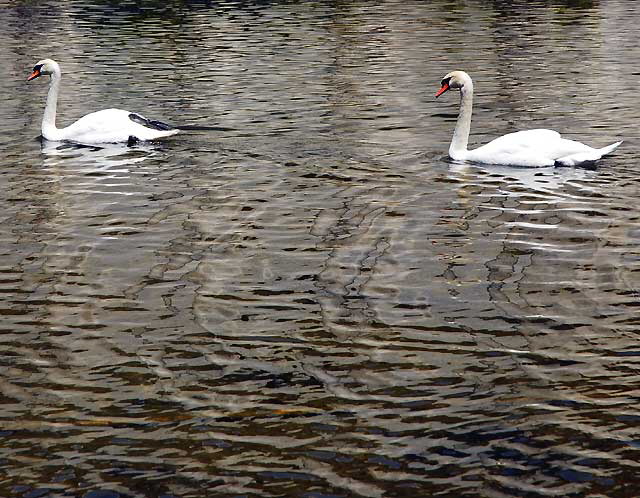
<point x="303" y="296"/>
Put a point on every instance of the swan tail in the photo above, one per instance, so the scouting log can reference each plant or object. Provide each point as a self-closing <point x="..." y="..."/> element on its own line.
<point x="585" y="158"/>
<point x="609" y="148"/>
<point x="168" y="133"/>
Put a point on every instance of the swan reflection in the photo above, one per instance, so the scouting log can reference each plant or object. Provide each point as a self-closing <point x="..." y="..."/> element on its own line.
<point x="97" y="157"/>
<point x="515" y="182"/>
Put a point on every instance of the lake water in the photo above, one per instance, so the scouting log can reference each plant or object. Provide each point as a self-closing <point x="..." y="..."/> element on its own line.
<point x="301" y="295"/>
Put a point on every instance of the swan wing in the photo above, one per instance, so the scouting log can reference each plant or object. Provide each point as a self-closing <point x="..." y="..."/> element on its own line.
<point x="529" y="148"/>
<point x="115" y="125"/>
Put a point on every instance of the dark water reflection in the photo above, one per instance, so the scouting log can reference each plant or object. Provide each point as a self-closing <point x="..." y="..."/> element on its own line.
<point x="309" y="300"/>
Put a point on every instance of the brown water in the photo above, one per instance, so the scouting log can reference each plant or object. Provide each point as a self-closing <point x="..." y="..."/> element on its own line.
<point x="305" y="297"/>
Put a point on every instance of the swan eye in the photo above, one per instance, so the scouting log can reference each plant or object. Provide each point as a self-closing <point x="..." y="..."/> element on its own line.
<point x="445" y="81"/>
<point x="38" y="67"/>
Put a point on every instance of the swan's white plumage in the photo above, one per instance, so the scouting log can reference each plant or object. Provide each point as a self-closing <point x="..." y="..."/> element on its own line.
<point x="106" y="126"/>
<point x="533" y="148"/>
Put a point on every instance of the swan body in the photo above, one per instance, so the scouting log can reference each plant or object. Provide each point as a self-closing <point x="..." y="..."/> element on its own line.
<point x="106" y="126"/>
<point x="533" y="148"/>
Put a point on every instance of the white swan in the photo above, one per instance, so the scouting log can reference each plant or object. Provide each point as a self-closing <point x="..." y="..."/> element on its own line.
<point x="523" y="148"/>
<point x="106" y="126"/>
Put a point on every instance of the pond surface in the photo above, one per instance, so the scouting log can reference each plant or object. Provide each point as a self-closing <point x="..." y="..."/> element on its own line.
<point x="301" y="295"/>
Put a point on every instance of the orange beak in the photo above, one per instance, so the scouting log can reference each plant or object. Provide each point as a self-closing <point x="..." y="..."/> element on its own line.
<point x="443" y="88"/>
<point x="34" y="75"/>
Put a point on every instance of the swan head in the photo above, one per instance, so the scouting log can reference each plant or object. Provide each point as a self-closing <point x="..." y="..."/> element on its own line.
<point x="45" y="66"/>
<point x="454" y="80"/>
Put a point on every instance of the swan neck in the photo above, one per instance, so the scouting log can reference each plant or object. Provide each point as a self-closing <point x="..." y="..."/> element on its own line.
<point x="49" y="120"/>
<point x="463" y="125"/>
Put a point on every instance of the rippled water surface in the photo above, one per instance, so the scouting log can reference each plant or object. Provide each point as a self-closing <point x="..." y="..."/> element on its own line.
<point x="301" y="295"/>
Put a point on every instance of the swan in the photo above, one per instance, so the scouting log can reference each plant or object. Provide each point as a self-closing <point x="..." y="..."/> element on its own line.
<point x="534" y="148"/>
<point x="106" y="126"/>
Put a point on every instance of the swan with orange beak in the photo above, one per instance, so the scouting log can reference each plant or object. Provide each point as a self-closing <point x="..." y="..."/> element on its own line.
<point x="106" y="126"/>
<point x="534" y="148"/>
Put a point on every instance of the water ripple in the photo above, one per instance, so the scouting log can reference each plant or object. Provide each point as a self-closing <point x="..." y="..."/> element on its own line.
<point x="299" y="294"/>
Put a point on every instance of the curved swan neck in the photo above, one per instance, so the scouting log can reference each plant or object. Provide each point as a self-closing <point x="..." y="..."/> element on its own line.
<point x="463" y="125"/>
<point x="49" y="119"/>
